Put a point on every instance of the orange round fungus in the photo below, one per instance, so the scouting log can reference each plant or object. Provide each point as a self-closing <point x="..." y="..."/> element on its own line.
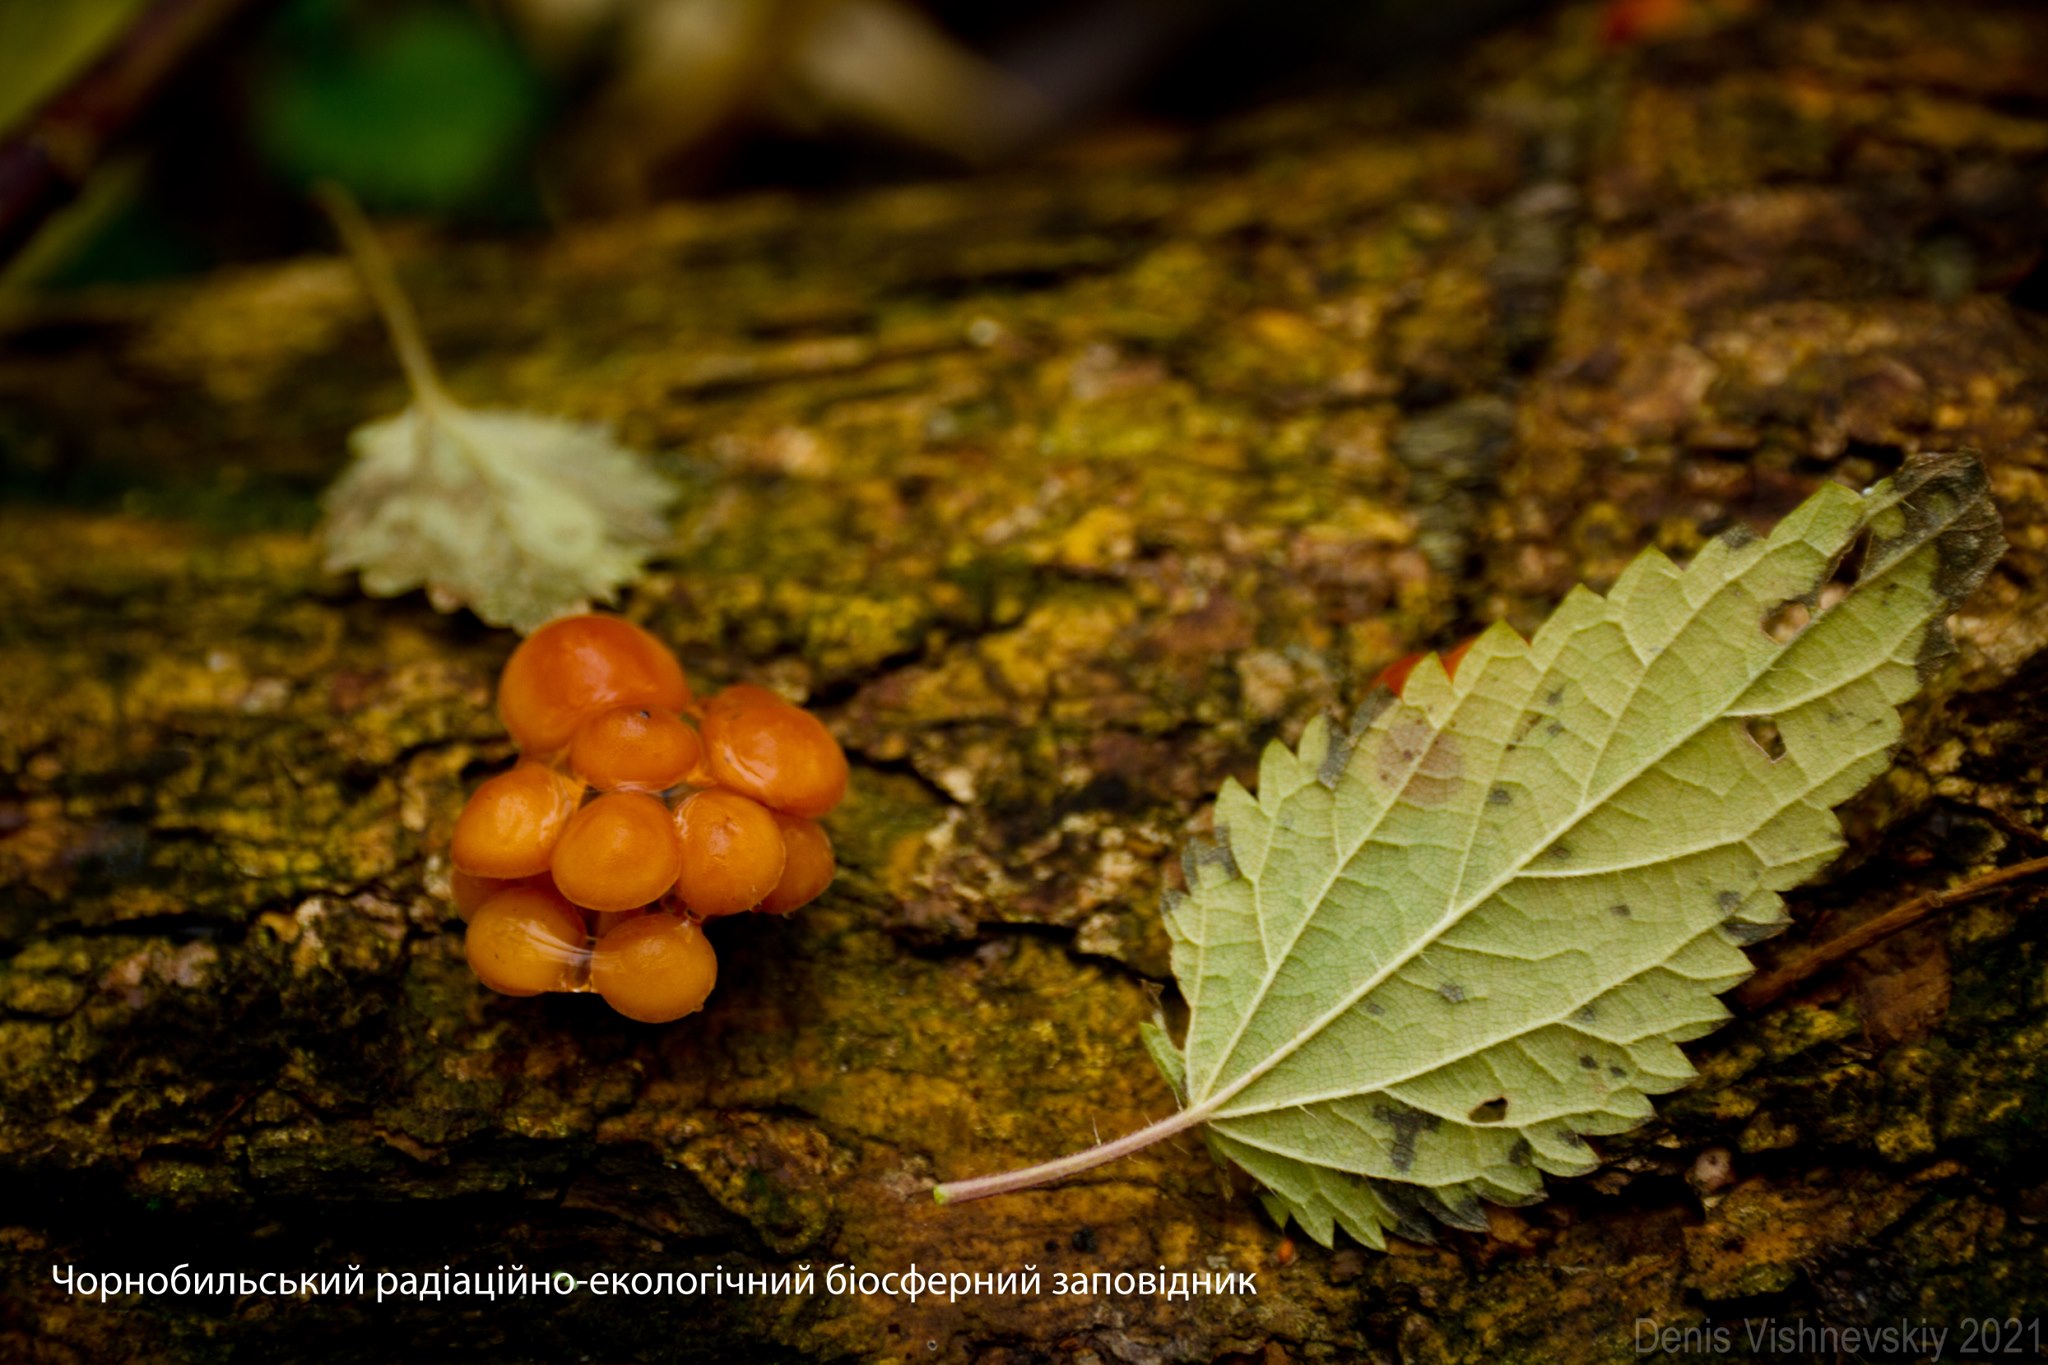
<point x="602" y="922"/>
<point x="732" y="853"/>
<point x="618" y="852"/>
<point x="654" y="968"/>
<point x="807" y="870"/>
<point x="525" y="941"/>
<point x="634" y="748"/>
<point x="508" y="829"/>
<point x="780" y="754"/>
<point x="470" y="892"/>
<point x="611" y="896"/>
<point x="572" y="669"/>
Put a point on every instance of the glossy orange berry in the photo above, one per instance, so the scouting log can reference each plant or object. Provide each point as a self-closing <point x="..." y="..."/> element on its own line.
<point x="602" y="922"/>
<point x="733" y="854"/>
<point x="654" y="968"/>
<point x="470" y="892"/>
<point x="779" y="754"/>
<point x="572" y="669"/>
<point x="618" y="852"/>
<point x="509" y="828"/>
<point x="806" y="871"/>
<point x="635" y="748"/>
<point x="526" y="940"/>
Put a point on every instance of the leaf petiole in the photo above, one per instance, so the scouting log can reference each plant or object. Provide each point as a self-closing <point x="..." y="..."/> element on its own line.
<point x="1046" y="1172"/>
<point x="393" y="305"/>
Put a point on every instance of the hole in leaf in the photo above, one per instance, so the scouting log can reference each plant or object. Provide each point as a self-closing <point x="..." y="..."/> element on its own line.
<point x="1492" y="1111"/>
<point x="1786" y="620"/>
<point x="1848" y="570"/>
<point x="1763" y="732"/>
<point x="1849" y="564"/>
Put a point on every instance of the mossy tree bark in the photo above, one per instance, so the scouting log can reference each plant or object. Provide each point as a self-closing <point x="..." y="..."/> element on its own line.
<point x="1059" y="492"/>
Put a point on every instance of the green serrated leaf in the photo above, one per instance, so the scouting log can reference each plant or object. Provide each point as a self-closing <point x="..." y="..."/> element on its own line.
<point x="1438" y="951"/>
<point x="518" y="517"/>
<point x="1434" y="954"/>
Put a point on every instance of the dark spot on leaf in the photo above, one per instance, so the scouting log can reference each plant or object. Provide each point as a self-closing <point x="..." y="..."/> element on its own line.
<point x="1729" y="901"/>
<point x="1737" y="536"/>
<point x="1586" y="1061"/>
<point x="1554" y="696"/>
<point x="1746" y="932"/>
<point x="1554" y="729"/>
<point x="1520" y="1153"/>
<point x="1586" y="1013"/>
<point x="1424" y="763"/>
<point x="1331" y="771"/>
<point x="1499" y="796"/>
<point x="1083" y="1240"/>
<point x="1201" y="853"/>
<point x="1407" y="1125"/>
<point x="1375" y="1008"/>
<point x="1337" y="757"/>
<point x="1369" y="711"/>
<point x="1619" y="1073"/>
<point x="1466" y="1215"/>
<point x="1451" y="991"/>
<point x="1561" y="851"/>
<point x="1619" y="911"/>
<point x="1489" y="1111"/>
<point x="1574" y="1140"/>
<point x="1410" y="1209"/>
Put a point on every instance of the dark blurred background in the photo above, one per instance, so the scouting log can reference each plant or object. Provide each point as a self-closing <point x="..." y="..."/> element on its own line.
<point x="497" y="115"/>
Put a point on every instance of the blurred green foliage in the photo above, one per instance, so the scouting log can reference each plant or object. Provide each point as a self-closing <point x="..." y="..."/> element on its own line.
<point x="417" y="106"/>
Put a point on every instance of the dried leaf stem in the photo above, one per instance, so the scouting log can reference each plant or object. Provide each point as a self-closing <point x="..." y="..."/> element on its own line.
<point x="1046" y="1172"/>
<point x="373" y="263"/>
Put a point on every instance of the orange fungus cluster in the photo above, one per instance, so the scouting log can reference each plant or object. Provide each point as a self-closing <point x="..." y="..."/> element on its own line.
<point x="634" y="814"/>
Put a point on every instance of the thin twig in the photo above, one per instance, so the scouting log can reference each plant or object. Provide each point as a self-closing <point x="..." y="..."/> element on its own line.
<point x="1772" y="985"/>
<point x="43" y="166"/>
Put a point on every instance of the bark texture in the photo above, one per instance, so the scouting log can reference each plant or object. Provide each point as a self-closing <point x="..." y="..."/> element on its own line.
<point x="1059" y="492"/>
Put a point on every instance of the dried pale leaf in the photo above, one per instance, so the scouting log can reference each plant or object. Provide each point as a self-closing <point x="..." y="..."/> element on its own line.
<point x="518" y="517"/>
